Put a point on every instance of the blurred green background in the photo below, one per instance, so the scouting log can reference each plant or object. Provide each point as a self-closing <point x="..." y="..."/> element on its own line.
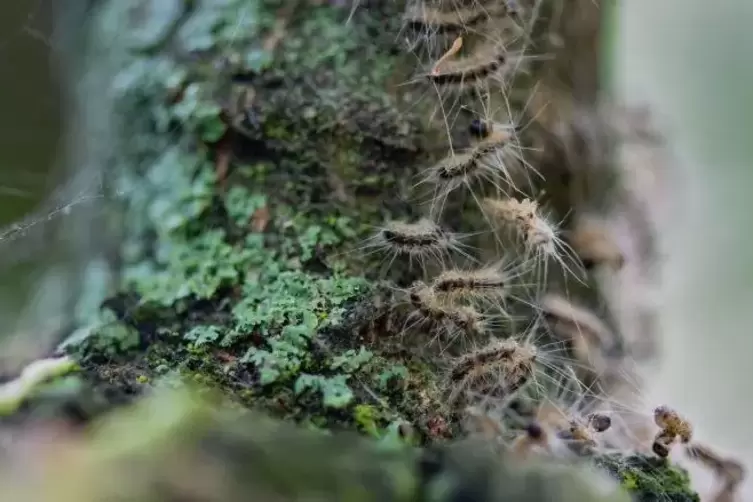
<point x="30" y="131"/>
<point x="692" y="59"/>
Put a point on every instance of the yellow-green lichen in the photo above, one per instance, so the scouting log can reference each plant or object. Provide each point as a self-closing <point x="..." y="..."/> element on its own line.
<point x="649" y="478"/>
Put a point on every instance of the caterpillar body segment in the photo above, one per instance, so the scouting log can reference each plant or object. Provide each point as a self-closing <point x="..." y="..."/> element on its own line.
<point x="491" y="62"/>
<point x="496" y="370"/>
<point x="429" y="21"/>
<point x="420" y="241"/>
<point x="540" y="237"/>
<point x="431" y="26"/>
<point x="485" y="164"/>
<point x="592" y="242"/>
<point x="490" y="284"/>
<point x="450" y="321"/>
<point x="672" y="423"/>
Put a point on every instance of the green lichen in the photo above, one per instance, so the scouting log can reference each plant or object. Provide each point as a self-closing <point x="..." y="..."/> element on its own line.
<point x="334" y="390"/>
<point x="241" y="204"/>
<point x="203" y="335"/>
<point x="650" y="479"/>
<point x="242" y="277"/>
<point x="351" y="360"/>
<point x="366" y="417"/>
<point x="107" y="336"/>
<point x="196" y="268"/>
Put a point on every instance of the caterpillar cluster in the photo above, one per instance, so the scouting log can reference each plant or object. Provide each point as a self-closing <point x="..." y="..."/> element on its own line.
<point x="527" y="320"/>
<point x="470" y="298"/>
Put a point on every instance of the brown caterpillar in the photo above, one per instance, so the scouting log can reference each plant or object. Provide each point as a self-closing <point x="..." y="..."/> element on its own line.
<point x="485" y="163"/>
<point x="435" y="21"/>
<point x="730" y="469"/>
<point x="420" y="240"/>
<point x="594" y="246"/>
<point x="575" y="431"/>
<point x="540" y="237"/>
<point x="468" y="163"/>
<point x="523" y="216"/>
<point x="489" y="283"/>
<point x="673" y="424"/>
<point x="596" y="422"/>
<point x="582" y="328"/>
<point x="580" y="436"/>
<point x="496" y="370"/>
<point x="485" y="63"/>
<point x="430" y="309"/>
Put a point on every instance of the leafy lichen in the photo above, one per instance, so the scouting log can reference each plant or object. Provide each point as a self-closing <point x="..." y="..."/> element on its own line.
<point x="239" y="223"/>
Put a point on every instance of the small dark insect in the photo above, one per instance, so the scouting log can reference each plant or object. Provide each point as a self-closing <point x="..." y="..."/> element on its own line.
<point x="661" y="449"/>
<point x="663" y="443"/>
<point x="534" y="431"/>
<point x="599" y="422"/>
<point x="479" y="128"/>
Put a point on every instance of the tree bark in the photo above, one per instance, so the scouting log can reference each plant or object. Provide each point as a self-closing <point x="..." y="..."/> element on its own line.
<point x="252" y="147"/>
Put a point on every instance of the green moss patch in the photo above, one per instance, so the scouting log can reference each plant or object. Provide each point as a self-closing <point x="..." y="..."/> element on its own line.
<point x="649" y="478"/>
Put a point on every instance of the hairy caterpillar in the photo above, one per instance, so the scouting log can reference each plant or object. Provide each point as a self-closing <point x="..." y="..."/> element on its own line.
<point x="453" y="319"/>
<point x="540" y="237"/>
<point x="495" y="370"/>
<point x="482" y="164"/>
<point x="420" y="240"/>
<point x="431" y="21"/>
<point x="589" y="338"/>
<point x="488" y="283"/>
<point x="489" y="61"/>
<point x="673" y="424"/>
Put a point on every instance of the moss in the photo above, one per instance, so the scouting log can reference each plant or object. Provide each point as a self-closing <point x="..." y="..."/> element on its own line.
<point x="366" y="419"/>
<point x="649" y="478"/>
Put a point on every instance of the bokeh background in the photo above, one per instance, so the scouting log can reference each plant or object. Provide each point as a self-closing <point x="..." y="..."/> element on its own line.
<point x="30" y="138"/>
<point x="691" y="59"/>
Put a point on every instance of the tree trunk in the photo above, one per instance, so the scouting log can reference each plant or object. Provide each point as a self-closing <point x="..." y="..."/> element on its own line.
<point x="256" y="153"/>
